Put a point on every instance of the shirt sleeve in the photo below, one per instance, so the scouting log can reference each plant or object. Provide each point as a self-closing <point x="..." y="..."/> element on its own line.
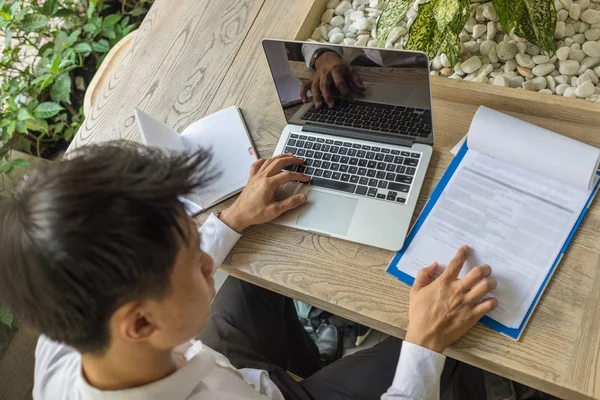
<point x="308" y="50"/>
<point x="56" y="368"/>
<point x="217" y="239"/>
<point x="417" y="375"/>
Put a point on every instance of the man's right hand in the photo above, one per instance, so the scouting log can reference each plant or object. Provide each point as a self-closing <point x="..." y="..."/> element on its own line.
<point x="443" y="310"/>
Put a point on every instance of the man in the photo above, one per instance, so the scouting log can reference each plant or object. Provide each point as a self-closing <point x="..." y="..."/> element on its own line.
<point x="98" y="253"/>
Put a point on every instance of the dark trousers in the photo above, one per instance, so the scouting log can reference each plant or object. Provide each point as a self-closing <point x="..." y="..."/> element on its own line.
<point x="256" y="328"/>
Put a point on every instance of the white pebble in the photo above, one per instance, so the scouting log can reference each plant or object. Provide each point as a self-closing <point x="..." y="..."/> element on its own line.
<point x="343" y="7"/>
<point x="543" y="69"/>
<point x="528" y="85"/>
<point x="563" y="53"/>
<point x="489" y="12"/>
<point x="471" y="65"/>
<point x="590" y="62"/>
<point x="506" y="51"/>
<point x="372" y="43"/>
<point x="493" y="56"/>
<point x="568" y="42"/>
<point x="349" y="42"/>
<point x="362" y="24"/>
<point x="501" y="81"/>
<point x="591" y="49"/>
<point x="525" y="60"/>
<point x="585" y="90"/>
<point x="542" y="59"/>
<point x="479" y="30"/>
<point x="485" y="70"/>
<point x="584" y="4"/>
<point x="434" y="73"/>
<point x="516" y="82"/>
<point x="491" y="30"/>
<point x="333" y="3"/>
<point x="575" y="46"/>
<point x="486" y="47"/>
<point x="437" y="63"/>
<point x="560" y="89"/>
<point x="458" y="68"/>
<point x="510" y="66"/>
<point x="532" y="49"/>
<point x="551" y="83"/>
<point x="577" y="55"/>
<point x="570" y="92"/>
<point x="356" y="15"/>
<point x="575" y="11"/>
<point x="545" y="91"/>
<point x="591" y="16"/>
<point x="471" y="46"/>
<point x="568" y="67"/>
<point x="480" y="79"/>
<point x="579" y="38"/>
<point x="445" y="62"/>
<point x="569" y="30"/>
<point x="327" y="15"/>
<point x="539" y="83"/>
<point x="338" y="21"/>
<point x="464" y="36"/>
<point x="362" y="40"/>
<point x="597" y="71"/>
<point x="592" y="34"/>
<point x="583" y="27"/>
<point x="566" y="4"/>
<point x="562" y="15"/>
<point x="560" y="30"/>
<point x="316" y="34"/>
<point x="395" y="34"/>
<point x="561" y="79"/>
<point x="471" y="22"/>
<point x="336" y="37"/>
<point x="584" y="78"/>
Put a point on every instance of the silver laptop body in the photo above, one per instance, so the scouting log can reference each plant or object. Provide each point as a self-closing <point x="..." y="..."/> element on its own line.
<point x="368" y="153"/>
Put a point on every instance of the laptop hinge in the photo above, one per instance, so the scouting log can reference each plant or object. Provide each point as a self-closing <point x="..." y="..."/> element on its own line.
<point x="360" y="135"/>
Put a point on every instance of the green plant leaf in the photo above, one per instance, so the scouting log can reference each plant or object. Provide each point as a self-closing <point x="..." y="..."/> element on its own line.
<point x="136" y="12"/>
<point x="10" y="129"/>
<point x="6" y="317"/>
<point x="23" y="114"/>
<point x="423" y="34"/>
<point x="460" y="18"/>
<point x="73" y="37"/>
<point x="445" y="12"/>
<point x="61" y="89"/>
<point x="111" y="20"/>
<point x="64" y="13"/>
<point x="392" y="15"/>
<point x="33" y="22"/>
<point x="82" y="47"/>
<point x="510" y="12"/>
<point x="49" y="7"/>
<point x="47" y="109"/>
<point x="8" y="38"/>
<point x="55" y="64"/>
<point x="101" y="46"/>
<point x="451" y="47"/>
<point x="91" y="9"/>
<point x="20" y="163"/>
<point x="542" y="17"/>
<point x="25" y="144"/>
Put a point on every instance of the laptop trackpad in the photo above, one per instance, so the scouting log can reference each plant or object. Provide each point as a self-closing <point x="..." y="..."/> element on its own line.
<point x="327" y="212"/>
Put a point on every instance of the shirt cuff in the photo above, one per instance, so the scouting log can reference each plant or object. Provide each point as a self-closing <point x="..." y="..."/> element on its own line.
<point x="217" y="239"/>
<point x="419" y="372"/>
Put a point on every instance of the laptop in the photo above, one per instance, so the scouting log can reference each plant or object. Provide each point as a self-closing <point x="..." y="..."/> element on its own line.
<point x="368" y="153"/>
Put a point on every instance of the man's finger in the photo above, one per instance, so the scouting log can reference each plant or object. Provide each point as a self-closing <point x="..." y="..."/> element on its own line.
<point x="316" y="92"/>
<point x="257" y="166"/>
<point x="481" y="289"/>
<point x="340" y="83"/>
<point x="456" y="264"/>
<point x="425" y="277"/>
<point x="475" y="275"/>
<point x="288" y="204"/>
<point x="358" y="83"/>
<point x="288" y="176"/>
<point x="485" y="307"/>
<point x="278" y="164"/>
<point x="304" y="91"/>
<point x="326" y="91"/>
<point x="269" y="161"/>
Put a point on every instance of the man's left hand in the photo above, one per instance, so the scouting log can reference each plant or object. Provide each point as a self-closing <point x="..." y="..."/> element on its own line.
<point x="257" y="203"/>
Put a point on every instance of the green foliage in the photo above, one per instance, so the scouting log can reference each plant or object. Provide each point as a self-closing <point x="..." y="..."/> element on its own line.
<point x="47" y="44"/>
<point x="6" y="318"/>
<point x="439" y="22"/>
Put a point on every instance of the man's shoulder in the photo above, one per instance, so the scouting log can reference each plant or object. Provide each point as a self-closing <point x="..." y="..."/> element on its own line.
<point x="57" y="368"/>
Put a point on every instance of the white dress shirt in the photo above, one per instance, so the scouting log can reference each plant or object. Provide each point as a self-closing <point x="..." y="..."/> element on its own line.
<point x="203" y="373"/>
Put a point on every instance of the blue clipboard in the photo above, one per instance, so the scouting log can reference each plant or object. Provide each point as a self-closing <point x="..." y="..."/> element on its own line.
<point x="514" y="333"/>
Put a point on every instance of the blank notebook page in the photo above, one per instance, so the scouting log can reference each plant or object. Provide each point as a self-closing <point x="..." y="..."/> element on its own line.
<point x="226" y="136"/>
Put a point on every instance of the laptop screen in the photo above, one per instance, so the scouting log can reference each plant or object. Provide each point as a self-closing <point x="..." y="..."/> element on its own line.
<point x="366" y="89"/>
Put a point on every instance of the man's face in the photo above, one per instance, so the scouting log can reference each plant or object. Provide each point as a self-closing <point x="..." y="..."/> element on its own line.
<point x="183" y="313"/>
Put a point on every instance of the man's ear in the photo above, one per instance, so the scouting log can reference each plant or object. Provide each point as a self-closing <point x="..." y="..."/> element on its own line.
<point x="132" y="322"/>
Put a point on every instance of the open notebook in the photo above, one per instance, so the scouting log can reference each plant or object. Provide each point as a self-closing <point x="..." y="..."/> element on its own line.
<point x="516" y="194"/>
<point x="225" y="134"/>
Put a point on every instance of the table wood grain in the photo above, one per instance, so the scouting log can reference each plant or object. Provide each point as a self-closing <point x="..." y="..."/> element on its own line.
<point x="193" y="57"/>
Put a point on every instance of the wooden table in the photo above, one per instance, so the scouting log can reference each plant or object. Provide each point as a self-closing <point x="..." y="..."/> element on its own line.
<point x="193" y="57"/>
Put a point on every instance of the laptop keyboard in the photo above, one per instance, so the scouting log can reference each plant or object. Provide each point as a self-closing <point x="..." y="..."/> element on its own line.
<point x="401" y="120"/>
<point x="365" y="170"/>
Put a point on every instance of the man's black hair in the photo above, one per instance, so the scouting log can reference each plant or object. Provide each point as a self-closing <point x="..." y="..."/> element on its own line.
<point x="84" y="236"/>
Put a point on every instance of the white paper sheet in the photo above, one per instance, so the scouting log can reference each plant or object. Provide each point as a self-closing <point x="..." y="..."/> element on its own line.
<point x="156" y="134"/>
<point x="225" y="134"/>
<point x="515" y="220"/>
<point x="531" y="147"/>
